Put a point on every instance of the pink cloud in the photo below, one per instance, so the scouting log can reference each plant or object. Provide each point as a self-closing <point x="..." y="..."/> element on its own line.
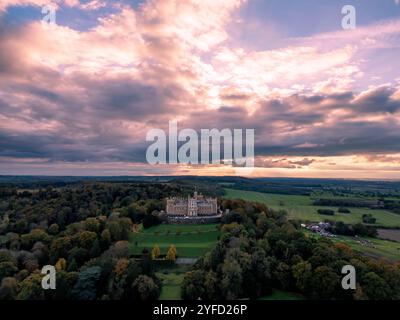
<point x="91" y="5"/>
<point x="74" y="95"/>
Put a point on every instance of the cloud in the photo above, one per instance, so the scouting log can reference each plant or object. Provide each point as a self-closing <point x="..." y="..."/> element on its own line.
<point x="82" y="5"/>
<point x="91" y="96"/>
<point x="292" y="163"/>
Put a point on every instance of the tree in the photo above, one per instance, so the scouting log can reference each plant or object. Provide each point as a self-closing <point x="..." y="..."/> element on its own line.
<point x="59" y="248"/>
<point x="324" y="283"/>
<point x="86" y="239"/>
<point x="54" y="229"/>
<point x="282" y="275"/>
<point x="232" y="276"/>
<point x="7" y="269"/>
<point x="86" y="286"/>
<point x="374" y="287"/>
<point x="31" y="288"/>
<point x="92" y="224"/>
<point x="144" y="288"/>
<point x="80" y="255"/>
<point x="150" y="220"/>
<point x="6" y="256"/>
<point x="171" y="254"/>
<point x="124" y="274"/>
<point x="105" y="239"/>
<point x="120" y="228"/>
<point x="327" y="212"/>
<point x="136" y="212"/>
<point x="8" y="289"/>
<point x="73" y="266"/>
<point x="193" y="285"/>
<point x="118" y="278"/>
<point x="27" y="240"/>
<point x="155" y="252"/>
<point x="211" y="286"/>
<point x="61" y="264"/>
<point x="40" y="252"/>
<point x="95" y="250"/>
<point x="368" y="218"/>
<point x="302" y="274"/>
<point x="63" y="288"/>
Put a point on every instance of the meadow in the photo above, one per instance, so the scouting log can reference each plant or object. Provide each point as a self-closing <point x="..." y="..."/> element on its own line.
<point x="189" y="240"/>
<point x="300" y="207"/>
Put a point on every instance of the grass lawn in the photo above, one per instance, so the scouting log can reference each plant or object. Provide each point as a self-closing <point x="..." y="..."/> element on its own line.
<point x="282" y="295"/>
<point x="171" y="283"/>
<point x="300" y="207"/>
<point x="189" y="240"/>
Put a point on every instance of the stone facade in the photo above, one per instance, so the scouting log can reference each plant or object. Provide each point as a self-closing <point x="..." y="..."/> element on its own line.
<point x="196" y="206"/>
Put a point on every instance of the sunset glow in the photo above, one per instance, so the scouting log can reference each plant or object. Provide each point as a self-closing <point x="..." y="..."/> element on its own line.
<point x="78" y="97"/>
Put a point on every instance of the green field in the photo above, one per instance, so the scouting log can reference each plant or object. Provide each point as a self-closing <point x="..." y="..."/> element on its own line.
<point x="171" y="282"/>
<point x="189" y="240"/>
<point x="300" y="207"/>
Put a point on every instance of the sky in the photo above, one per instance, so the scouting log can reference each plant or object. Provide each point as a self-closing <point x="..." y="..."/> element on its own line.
<point x="78" y="97"/>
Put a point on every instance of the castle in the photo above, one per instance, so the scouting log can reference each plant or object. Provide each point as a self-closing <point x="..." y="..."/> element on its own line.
<point x="196" y="206"/>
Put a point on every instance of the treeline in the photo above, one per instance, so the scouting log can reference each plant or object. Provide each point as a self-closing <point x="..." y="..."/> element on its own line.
<point x="336" y="202"/>
<point x="380" y="203"/>
<point x="358" y="229"/>
<point x="260" y="250"/>
<point x="392" y="205"/>
<point x="22" y="211"/>
<point x="266" y="187"/>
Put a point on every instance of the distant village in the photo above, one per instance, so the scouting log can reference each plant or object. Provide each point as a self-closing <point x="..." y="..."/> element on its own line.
<point x="322" y="228"/>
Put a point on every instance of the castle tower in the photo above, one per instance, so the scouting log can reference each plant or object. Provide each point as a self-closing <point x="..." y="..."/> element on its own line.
<point x="192" y="205"/>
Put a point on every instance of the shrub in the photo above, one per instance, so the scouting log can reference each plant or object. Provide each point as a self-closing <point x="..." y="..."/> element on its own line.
<point x="326" y="212"/>
<point x="368" y="218"/>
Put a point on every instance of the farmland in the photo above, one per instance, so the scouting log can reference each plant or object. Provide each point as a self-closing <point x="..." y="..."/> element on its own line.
<point x="301" y="207"/>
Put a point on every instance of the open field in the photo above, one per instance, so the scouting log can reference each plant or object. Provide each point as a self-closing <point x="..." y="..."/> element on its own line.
<point x="300" y="207"/>
<point x="189" y="240"/>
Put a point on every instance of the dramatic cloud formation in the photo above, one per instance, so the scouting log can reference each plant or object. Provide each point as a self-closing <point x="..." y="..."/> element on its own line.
<point x="81" y="101"/>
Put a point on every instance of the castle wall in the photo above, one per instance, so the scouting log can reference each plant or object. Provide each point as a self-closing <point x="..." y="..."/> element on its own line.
<point x="192" y="207"/>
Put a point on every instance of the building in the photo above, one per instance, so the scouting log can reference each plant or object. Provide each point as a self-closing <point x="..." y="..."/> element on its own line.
<point x="196" y="206"/>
